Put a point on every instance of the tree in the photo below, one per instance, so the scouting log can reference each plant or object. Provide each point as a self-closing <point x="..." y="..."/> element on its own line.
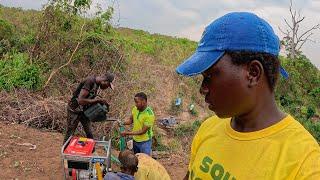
<point x="294" y="39"/>
<point x="72" y="6"/>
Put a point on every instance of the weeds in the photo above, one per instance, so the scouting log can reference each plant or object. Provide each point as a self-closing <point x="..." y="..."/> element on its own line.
<point x="15" y="72"/>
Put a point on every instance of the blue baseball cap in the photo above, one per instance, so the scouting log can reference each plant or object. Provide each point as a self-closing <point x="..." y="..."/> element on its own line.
<point x="236" y="31"/>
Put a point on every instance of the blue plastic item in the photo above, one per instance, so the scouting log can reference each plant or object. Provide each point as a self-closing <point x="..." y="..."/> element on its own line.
<point x="178" y="102"/>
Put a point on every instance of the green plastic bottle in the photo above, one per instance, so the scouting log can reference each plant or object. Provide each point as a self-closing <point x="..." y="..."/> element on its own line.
<point x="122" y="140"/>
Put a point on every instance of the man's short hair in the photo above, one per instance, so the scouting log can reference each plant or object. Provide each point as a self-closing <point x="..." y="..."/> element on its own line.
<point x="109" y="76"/>
<point x="128" y="160"/>
<point x="270" y="63"/>
<point x="141" y="95"/>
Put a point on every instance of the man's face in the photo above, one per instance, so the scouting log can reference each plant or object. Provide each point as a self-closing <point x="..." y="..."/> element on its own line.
<point x="225" y="88"/>
<point x="104" y="85"/>
<point x="140" y="103"/>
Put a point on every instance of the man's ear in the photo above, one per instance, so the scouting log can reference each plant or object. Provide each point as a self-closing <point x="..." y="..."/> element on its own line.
<point x="254" y="73"/>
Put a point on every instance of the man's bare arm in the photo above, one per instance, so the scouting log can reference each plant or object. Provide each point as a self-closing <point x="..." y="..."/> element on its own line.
<point x="82" y="100"/>
<point x="133" y="133"/>
<point x="129" y="121"/>
<point x="140" y="132"/>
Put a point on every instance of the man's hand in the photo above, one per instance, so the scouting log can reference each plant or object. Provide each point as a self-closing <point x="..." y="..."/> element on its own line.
<point x="134" y="133"/>
<point x="119" y="123"/>
<point x="103" y="101"/>
<point x="124" y="133"/>
<point x="129" y="121"/>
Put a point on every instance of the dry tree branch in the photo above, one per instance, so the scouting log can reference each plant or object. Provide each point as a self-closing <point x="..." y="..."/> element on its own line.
<point x="288" y="24"/>
<point x="292" y="15"/>
<point x="309" y="30"/>
<point x="294" y="38"/>
<point x="37" y="38"/>
<point x="304" y="41"/>
<point x="70" y="59"/>
<point x="300" y="20"/>
<point x="285" y="33"/>
<point x="117" y="51"/>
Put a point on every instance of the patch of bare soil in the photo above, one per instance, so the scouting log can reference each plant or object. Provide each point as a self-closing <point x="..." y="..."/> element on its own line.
<point x="176" y="165"/>
<point x="18" y="161"/>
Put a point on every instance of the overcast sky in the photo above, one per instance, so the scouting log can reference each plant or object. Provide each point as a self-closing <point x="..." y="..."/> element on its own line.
<point x="188" y="18"/>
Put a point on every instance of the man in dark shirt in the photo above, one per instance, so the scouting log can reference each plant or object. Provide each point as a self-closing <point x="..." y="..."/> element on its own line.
<point x="82" y="98"/>
<point x="129" y="166"/>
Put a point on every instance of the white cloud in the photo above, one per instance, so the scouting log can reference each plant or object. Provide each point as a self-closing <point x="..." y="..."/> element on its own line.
<point x="26" y="4"/>
<point x="168" y="17"/>
<point x="192" y="32"/>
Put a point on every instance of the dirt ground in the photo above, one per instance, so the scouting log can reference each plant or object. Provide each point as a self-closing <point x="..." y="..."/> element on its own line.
<point x="44" y="162"/>
<point x="176" y="166"/>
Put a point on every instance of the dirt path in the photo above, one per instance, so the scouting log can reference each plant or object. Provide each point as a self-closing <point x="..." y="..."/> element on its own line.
<point x="17" y="161"/>
<point x="21" y="162"/>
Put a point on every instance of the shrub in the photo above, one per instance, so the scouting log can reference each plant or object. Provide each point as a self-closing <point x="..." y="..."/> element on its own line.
<point x="6" y="29"/>
<point x="313" y="128"/>
<point x="16" y="72"/>
<point x="157" y="143"/>
<point x="189" y="128"/>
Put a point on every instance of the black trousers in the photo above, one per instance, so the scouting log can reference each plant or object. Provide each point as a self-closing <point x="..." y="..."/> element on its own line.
<point x="73" y="119"/>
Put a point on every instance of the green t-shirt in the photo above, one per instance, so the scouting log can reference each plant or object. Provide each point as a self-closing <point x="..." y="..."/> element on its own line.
<point x="140" y="119"/>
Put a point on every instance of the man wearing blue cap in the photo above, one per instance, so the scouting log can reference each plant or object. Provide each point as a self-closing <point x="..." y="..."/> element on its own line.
<point x="250" y="138"/>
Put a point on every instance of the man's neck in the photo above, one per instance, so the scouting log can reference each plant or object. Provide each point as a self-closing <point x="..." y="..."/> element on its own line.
<point x="128" y="172"/>
<point x="263" y="115"/>
<point x="144" y="108"/>
<point x="98" y="79"/>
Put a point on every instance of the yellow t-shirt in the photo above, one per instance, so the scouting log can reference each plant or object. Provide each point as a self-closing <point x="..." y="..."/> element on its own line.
<point x="150" y="169"/>
<point x="140" y="119"/>
<point x="283" y="151"/>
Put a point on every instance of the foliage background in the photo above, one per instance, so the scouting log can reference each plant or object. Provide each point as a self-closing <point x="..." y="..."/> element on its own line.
<point x="60" y="44"/>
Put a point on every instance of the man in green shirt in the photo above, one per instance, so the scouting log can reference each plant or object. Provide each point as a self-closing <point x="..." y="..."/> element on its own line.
<point x="143" y="121"/>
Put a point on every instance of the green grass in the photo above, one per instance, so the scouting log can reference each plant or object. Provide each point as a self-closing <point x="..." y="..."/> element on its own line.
<point x="157" y="143"/>
<point x="168" y="50"/>
<point x="187" y="129"/>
